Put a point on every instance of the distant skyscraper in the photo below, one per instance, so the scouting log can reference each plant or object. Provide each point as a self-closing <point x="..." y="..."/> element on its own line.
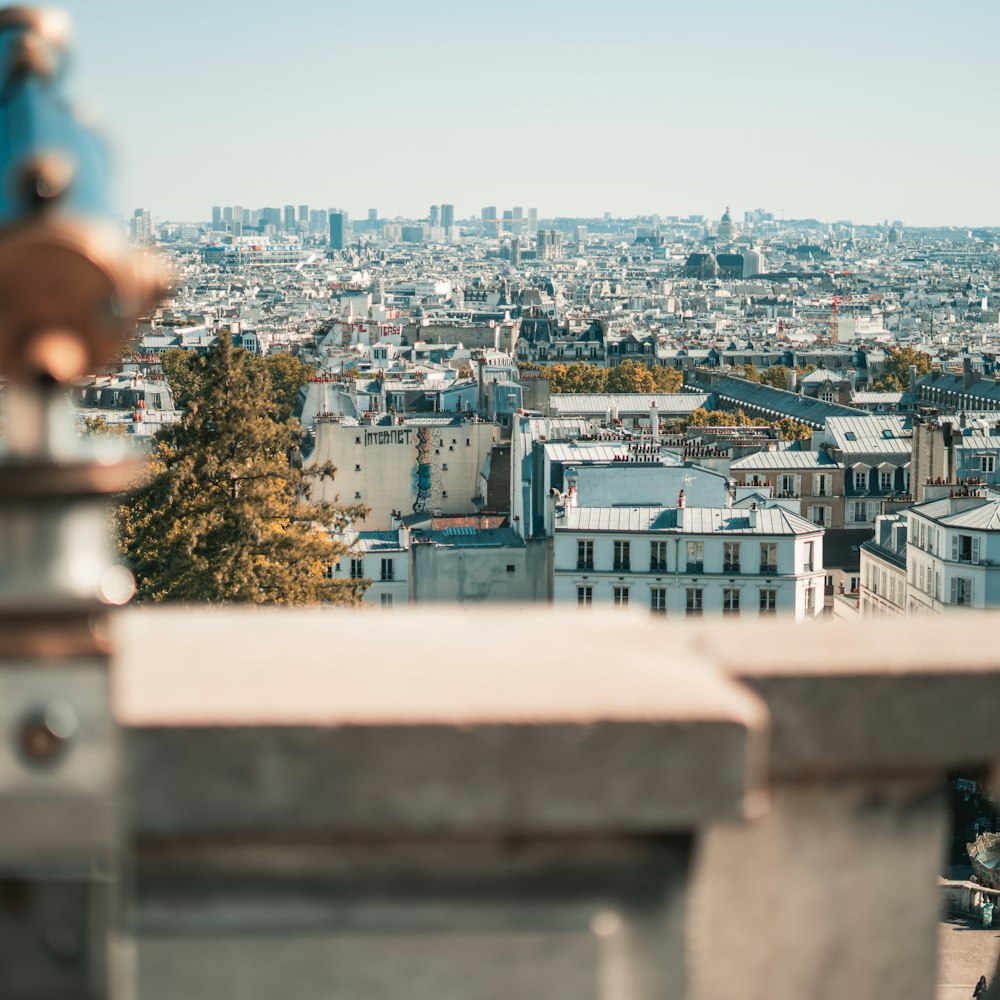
<point x="338" y="229"/>
<point x="515" y="251"/>
<point x="289" y="218"/>
<point x="373" y="219"/>
<point x="447" y="216"/>
<point x="532" y="220"/>
<point x="304" y="215"/>
<point x="227" y="214"/>
<point x="435" y="216"/>
<point x="490" y="213"/>
<point x="142" y="226"/>
<point x="317" y="220"/>
<point x="216" y="217"/>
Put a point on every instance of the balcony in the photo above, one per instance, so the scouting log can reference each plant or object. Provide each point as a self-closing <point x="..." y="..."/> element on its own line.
<point x="657" y="566"/>
<point x="695" y="567"/>
<point x="730" y="567"/>
<point x="585" y="564"/>
<point x="621" y="566"/>
<point x="768" y="569"/>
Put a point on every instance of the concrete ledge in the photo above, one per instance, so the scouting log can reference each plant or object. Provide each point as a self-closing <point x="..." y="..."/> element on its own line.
<point x="906" y="697"/>
<point x="427" y="723"/>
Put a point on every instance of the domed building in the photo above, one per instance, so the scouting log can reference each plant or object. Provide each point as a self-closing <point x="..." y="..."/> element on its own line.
<point x="727" y="228"/>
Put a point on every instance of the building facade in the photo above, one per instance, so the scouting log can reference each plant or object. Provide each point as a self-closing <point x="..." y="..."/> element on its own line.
<point x="690" y="561"/>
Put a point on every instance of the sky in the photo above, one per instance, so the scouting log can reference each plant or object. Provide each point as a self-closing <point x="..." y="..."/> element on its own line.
<point x="884" y="109"/>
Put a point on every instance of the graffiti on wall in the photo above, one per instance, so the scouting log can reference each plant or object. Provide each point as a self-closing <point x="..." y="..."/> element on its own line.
<point x="425" y="454"/>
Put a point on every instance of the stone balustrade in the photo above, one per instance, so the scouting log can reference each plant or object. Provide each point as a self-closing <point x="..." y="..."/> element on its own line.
<point x="506" y="803"/>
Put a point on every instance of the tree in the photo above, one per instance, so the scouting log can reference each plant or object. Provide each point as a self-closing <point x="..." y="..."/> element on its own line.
<point x="897" y="369"/>
<point x="630" y="376"/>
<point x="182" y="371"/>
<point x="667" y="379"/>
<point x="224" y="515"/>
<point x="288" y="375"/>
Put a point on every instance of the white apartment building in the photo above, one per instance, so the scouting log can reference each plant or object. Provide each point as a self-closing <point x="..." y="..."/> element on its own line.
<point x="690" y="561"/>
<point x="383" y="557"/>
<point x="953" y="552"/>
<point x="883" y="569"/>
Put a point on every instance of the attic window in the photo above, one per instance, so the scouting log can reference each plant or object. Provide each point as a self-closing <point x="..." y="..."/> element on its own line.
<point x="851" y="436"/>
<point x="357" y="440"/>
<point x="357" y="468"/>
<point x="886" y="433"/>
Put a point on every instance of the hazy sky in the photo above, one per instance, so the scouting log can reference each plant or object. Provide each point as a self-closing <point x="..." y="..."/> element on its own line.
<point x="859" y="110"/>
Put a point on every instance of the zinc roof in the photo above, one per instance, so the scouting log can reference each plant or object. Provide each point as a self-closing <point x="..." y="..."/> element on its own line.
<point x="696" y="521"/>
<point x="631" y="403"/>
<point x="786" y="460"/>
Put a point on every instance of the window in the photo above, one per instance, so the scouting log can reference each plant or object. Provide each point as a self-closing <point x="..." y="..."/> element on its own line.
<point x="657" y="557"/>
<point x="821" y="485"/>
<point x="387" y="569"/>
<point x="810" y="601"/>
<point x="584" y="555"/>
<point x="357" y="468"/>
<point x="328" y="571"/>
<point x="730" y="557"/>
<point x="387" y="600"/>
<point x="357" y="569"/>
<point x="585" y="595"/>
<point x="987" y="463"/>
<point x="820" y="515"/>
<point x="859" y="511"/>
<point x="620" y="597"/>
<point x="730" y="602"/>
<point x="768" y="602"/>
<point x="510" y="567"/>
<point x="789" y="485"/>
<point x="885" y="479"/>
<point x="622" y="560"/>
<point x="696" y="557"/>
<point x="861" y="479"/>
<point x="961" y="590"/>
<point x="693" y="604"/>
<point x="965" y="548"/>
<point x="658" y="600"/>
<point x="855" y="584"/>
<point x="768" y="557"/>
<point x="809" y="565"/>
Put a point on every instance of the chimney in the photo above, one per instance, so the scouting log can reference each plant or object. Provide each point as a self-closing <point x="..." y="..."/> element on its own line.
<point x="654" y="424"/>
<point x="752" y="515"/>
<point x="680" y="509"/>
<point x="968" y="375"/>
<point x="913" y="382"/>
<point x="793" y="380"/>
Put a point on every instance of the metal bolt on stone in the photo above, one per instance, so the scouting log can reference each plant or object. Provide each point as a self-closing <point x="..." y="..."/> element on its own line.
<point x="70" y="293"/>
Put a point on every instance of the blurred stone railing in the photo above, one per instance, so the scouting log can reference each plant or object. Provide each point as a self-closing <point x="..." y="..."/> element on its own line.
<point x="449" y="804"/>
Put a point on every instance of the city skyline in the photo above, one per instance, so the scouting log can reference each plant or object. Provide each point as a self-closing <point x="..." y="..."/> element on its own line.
<point x="862" y="112"/>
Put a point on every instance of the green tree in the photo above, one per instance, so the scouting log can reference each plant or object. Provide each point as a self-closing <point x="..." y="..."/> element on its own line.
<point x="288" y="375"/>
<point x="223" y="516"/>
<point x="182" y="371"/>
<point x="897" y="369"/>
